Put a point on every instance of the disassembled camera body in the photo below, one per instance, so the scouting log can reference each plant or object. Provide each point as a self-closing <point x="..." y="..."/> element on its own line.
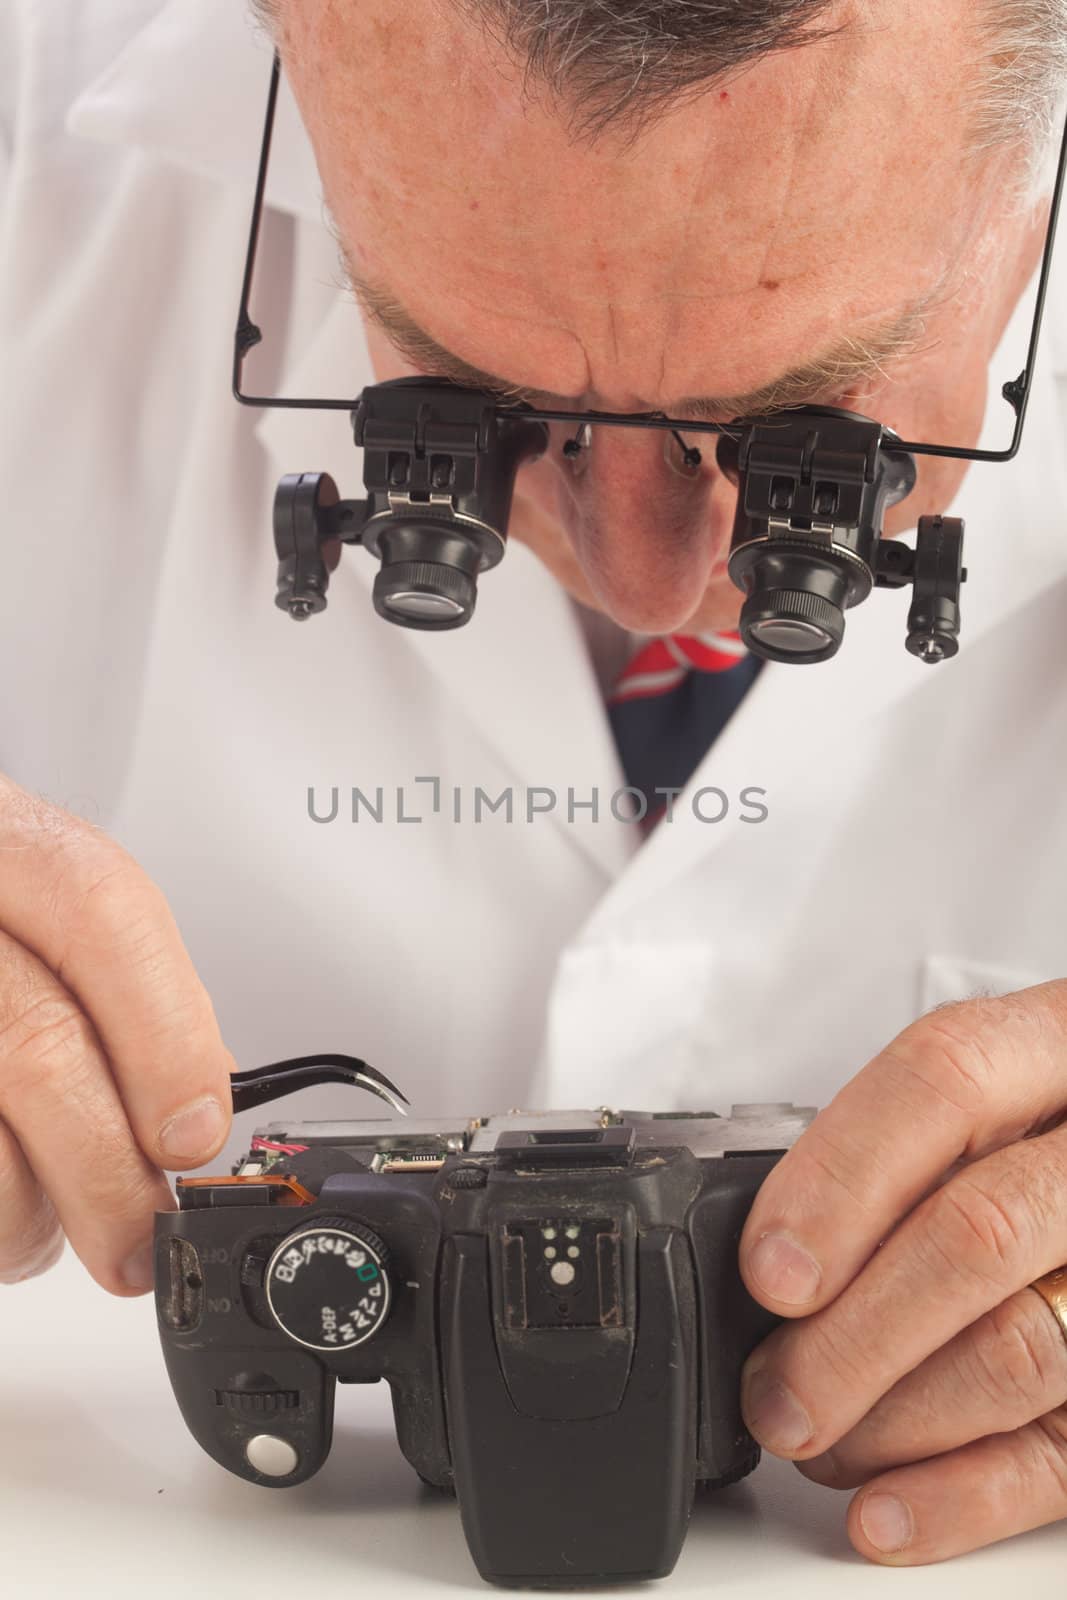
<point x="553" y="1298"/>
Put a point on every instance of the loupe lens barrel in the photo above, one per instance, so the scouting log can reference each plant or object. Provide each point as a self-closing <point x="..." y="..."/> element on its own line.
<point x="795" y="606"/>
<point x="428" y="577"/>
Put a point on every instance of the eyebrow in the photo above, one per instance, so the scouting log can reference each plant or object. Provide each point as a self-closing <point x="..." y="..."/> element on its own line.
<point x="851" y="360"/>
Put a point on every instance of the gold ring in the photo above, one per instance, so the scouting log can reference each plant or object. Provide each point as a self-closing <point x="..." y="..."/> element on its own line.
<point x="1053" y="1288"/>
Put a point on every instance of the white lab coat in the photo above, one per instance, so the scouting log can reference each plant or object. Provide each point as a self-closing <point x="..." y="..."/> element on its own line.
<point x="916" y="844"/>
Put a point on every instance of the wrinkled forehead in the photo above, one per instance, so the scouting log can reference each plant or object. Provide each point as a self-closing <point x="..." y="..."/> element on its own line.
<point x="821" y="184"/>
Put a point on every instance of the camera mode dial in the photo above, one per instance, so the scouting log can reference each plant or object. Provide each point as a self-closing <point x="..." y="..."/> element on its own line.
<point x="327" y="1284"/>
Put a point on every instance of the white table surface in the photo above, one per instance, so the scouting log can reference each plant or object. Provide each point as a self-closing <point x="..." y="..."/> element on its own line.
<point x="103" y="1491"/>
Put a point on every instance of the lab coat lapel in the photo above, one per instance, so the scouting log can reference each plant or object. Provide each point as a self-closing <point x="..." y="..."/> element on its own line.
<point x="520" y="670"/>
<point x="1016" y="548"/>
<point x="191" y="88"/>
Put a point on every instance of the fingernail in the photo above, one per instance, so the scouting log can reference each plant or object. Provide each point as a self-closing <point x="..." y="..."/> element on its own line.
<point x="887" y="1522"/>
<point x="138" y="1271"/>
<point x="822" y="1469"/>
<point x="193" y="1131"/>
<point x="774" y="1414"/>
<point x="785" y="1271"/>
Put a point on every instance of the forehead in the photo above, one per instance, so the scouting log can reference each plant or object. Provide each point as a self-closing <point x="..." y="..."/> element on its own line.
<point x="738" y="236"/>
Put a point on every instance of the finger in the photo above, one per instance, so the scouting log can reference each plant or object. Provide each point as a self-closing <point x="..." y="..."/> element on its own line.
<point x="31" y="1238"/>
<point x="1003" y="1372"/>
<point x="82" y="905"/>
<point x="59" y="1101"/>
<point x="959" y="1083"/>
<point x="986" y="1234"/>
<point x="989" y="1490"/>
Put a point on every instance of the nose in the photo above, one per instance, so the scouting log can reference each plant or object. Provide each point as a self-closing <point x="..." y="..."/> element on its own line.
<point x="648" y="531"/>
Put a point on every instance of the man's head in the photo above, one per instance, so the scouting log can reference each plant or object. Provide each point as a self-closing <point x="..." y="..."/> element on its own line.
<point x="796" y="187"/>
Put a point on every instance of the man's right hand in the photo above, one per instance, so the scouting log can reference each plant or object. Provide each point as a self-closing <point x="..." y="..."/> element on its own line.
<point x="107" y="1040"/>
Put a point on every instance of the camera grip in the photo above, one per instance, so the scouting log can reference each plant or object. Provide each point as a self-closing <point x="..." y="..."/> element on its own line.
<point x="255" y="1402"/>
<point x="733" y="1323"/>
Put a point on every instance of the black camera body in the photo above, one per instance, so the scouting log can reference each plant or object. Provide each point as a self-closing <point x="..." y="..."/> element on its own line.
<point x="553" y="1298"/>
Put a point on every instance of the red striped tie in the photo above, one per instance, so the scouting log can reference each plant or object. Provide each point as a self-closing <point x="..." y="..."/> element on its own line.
<point x="669" y="705"/>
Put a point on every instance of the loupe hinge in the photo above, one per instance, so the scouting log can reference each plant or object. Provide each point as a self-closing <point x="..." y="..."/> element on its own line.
<point x="345" y="521"/>
<point x="444" y="470"/>
<point x="807" y="533"/>
<point x="895" y="565"/>
<point x="405" y="502"/>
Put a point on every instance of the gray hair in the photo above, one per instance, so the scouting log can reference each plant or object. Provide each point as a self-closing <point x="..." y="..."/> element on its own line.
<point x="614" y="65"/>
<point x="1020" y="91"/>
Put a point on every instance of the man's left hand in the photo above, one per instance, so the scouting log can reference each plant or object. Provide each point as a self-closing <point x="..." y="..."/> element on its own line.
<point x="923" y="1201"/>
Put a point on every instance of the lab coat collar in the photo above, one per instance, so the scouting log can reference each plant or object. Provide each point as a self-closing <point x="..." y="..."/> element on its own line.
<point x="521" y="669"/>
<point x="522" y="673"/>
<point x="524" y="659"/>
<point x="190" y="86"/>
<point x="1015" y="550"/>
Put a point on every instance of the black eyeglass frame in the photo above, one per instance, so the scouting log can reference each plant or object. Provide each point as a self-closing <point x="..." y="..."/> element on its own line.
<point x="248" y="335"/>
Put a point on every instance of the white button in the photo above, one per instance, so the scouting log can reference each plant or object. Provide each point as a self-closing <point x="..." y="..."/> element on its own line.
<point x="275" y="1458"/>
<point x="562" y="1272"/>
